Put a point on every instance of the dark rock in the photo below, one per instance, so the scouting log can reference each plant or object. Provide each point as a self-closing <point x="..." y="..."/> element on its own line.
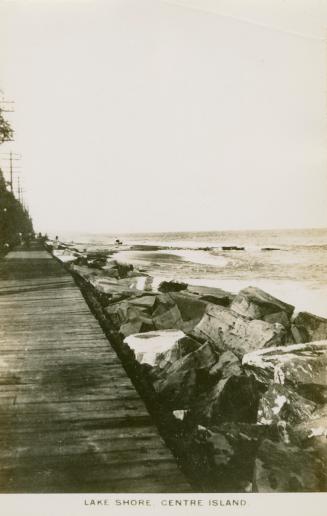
<point x="131" y="327"/>
<point x="190" y="306"/>
<point x="278" y="317"/>
<point x="233" y="465"/>
<point x="283" y="467"/>
<point x="216" y="300"/>
<point x="229" y="331"/>
<point x="312" y="325"/>
<point x="172" y="286"/>
<point x="299" y="334"/>
<point x="232" y="248"/>
<point x="169" y="319"/>
<point x="117" y="313"/>
<point x="254" y="303"/>
<point x="181" y="382"/>
<point x="235" y="398"/>
<point x="124" y="269"/>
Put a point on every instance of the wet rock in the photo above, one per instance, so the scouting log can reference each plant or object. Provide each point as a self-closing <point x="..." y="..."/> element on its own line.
<point x="281" y="467"/>
<point x="280" y="403"/>
<point x="302" y="366"/>
<point x="148" y="347"/>
<point x="254" y="303"/>
<point x="312" y="325"/>
<point x="229" y="331"/>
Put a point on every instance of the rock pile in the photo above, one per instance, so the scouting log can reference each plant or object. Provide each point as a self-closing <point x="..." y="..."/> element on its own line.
<point x="244" y="380"/>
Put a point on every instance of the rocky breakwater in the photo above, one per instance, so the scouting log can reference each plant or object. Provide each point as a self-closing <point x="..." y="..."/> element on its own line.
<point x="236" y="383"/>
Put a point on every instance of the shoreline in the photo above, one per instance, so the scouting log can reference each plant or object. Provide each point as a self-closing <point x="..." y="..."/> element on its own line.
<point x="186" y="413"/>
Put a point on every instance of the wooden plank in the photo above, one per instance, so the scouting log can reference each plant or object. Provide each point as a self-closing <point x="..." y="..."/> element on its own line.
<point x="71" y="420"/>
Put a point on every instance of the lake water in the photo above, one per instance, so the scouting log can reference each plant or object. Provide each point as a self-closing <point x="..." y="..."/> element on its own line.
<point x="295" y="271"/>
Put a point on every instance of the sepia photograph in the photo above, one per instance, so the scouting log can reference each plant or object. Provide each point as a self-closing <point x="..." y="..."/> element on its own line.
<point x="163" y="256"/>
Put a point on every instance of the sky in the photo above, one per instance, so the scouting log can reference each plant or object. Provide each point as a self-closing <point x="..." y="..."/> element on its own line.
<point x="149" y="115"/>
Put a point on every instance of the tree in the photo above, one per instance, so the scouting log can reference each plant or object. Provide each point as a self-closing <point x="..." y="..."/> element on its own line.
<point x="6" y="132"/>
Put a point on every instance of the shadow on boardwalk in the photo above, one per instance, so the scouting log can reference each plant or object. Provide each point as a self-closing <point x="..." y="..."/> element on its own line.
<point x="71" y="420"/>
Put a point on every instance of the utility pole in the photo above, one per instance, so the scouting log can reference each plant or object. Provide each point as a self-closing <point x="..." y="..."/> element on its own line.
<point x="13" y="156"/>
<point x="11" y="182"/>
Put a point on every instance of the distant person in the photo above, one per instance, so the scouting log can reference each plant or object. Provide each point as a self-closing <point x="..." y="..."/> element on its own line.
<point x="56" y="242"/>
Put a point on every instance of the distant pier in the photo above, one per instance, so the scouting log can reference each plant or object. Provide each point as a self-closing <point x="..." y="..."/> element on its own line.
<point x="71" y="420"/>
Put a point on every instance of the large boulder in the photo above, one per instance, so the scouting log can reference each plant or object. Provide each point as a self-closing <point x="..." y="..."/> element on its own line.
<point x="228" y="451"/>
<point x="312" y="326"/>
<point x="303" y="366"/>
<point x="230" y="331"/>
<point x="285" y="467"/>
<point x="190" y="306"/>
<point x="178" y="384"/>
<point x="254" y="303"/>
<point x="150" y="345"/>
<point x="280" y="403"/>
<point x="166" y="314"/>
<point x="235" y="398"/>
<point x="183" y="347"/>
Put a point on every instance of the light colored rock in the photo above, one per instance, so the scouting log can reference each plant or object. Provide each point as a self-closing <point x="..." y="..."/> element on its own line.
<point x="183" y="347"/>
<point x="65" y="255"/>
<point x="280" y="403"/>
<point x="144" y="301"/>
<point x="149" y="346"/>
<point x="296" y="364"/>
<point x="229" y="331"/>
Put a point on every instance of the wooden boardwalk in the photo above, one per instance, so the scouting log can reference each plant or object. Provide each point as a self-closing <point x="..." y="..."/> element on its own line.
<point x="70" y="418"/>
